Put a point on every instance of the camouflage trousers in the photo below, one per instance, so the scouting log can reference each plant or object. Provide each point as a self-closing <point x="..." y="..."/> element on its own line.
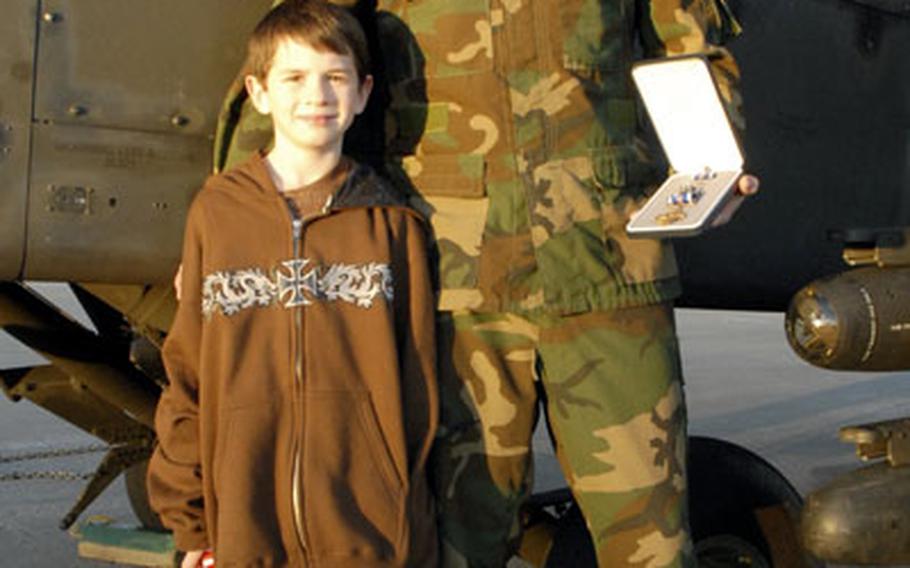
<point x="610" y="385"/>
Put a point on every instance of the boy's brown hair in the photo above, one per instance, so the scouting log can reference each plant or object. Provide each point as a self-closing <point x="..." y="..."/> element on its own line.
<point x="312" y="22"/>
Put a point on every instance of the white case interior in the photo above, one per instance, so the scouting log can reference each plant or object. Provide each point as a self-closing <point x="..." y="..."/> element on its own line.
<point x="688" y="115"/>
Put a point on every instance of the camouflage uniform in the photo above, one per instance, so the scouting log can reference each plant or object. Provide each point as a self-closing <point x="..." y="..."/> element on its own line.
<point x="514" y="125"/>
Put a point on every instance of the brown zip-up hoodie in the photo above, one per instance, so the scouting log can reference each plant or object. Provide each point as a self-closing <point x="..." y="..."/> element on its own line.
<point x="302" y="398"/>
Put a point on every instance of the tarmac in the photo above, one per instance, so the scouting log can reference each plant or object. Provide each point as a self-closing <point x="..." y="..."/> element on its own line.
<point x="744" y="385"/>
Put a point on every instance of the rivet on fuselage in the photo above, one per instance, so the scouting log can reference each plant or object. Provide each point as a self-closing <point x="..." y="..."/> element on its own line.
<point x="77" y="110"/>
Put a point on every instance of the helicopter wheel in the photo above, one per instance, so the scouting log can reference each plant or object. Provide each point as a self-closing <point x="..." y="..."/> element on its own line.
<point x="743" y="511"/>
<point x="743" y="514"/>
<point x="573" y="548"/>
<point x="729" y="551"/>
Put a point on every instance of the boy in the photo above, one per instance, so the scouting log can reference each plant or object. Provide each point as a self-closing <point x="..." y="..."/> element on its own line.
<point x="302" y="397"/>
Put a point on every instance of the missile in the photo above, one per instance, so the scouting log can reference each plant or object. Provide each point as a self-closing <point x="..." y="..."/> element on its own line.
<point x="857" y="320"/>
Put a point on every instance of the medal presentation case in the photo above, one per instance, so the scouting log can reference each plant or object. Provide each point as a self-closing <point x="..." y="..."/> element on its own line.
<point x="687" y="112"/>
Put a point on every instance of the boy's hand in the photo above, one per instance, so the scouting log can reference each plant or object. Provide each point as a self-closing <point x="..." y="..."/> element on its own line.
<point x="177" y="281"/>
<point x="192" y="558"/>
<point x="746" y="185"/>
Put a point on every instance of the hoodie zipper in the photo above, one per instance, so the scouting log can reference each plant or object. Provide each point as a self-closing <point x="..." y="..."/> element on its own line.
<point x="296" y="481"/>
<point x="297" y="226"/>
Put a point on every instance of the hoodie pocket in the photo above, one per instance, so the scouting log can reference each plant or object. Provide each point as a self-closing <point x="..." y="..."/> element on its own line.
<point x="353" y="496"/>
<point x="244" y="478"/>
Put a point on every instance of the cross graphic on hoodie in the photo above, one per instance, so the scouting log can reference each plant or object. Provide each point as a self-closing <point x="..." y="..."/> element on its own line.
<point x="297" y="283"/>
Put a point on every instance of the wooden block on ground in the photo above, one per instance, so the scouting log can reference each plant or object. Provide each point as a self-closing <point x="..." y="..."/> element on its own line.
<point x="125" y="544"/>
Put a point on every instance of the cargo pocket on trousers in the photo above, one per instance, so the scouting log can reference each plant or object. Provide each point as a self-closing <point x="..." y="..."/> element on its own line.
<point x="353" y="496"/>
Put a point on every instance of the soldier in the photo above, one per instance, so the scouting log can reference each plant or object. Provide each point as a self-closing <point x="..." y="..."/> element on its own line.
<point x="515" y="128"/>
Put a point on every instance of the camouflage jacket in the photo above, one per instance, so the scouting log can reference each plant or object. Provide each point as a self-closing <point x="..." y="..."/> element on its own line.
<point x="515" y="127"/>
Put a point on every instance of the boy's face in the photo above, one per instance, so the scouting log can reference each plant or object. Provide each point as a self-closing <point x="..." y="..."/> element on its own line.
<point x="312" y="96"/>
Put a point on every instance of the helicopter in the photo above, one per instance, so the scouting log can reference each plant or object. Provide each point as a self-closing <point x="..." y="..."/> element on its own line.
<point x="108" y="114"/>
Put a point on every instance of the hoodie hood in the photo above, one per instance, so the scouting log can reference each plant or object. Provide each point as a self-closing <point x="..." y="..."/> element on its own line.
<point x="362" y="188"/>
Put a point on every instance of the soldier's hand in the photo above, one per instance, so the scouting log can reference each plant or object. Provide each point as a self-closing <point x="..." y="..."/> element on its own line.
<point x="746" y="185"/>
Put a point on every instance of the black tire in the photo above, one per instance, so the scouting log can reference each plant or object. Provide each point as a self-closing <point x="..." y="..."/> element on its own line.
<point x="572" y="545"/>
<point x="134" y="478"/>
<point x="729" y="551"/>
<point x="730" y="488"/>
<point x="727" y="485"/>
